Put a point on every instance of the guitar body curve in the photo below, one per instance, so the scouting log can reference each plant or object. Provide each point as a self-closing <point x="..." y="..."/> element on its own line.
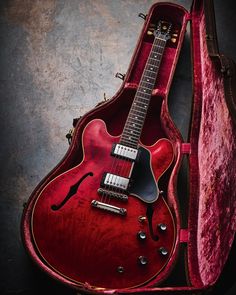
<point x="87" y="244"/>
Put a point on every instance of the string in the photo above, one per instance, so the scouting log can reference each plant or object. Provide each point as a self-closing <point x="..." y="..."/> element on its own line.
<point x="123" y="167"/>
<point x="143" y="101"/>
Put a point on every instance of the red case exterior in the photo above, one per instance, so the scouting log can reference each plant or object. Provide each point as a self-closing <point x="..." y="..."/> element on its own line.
<point x="211" y="152"/>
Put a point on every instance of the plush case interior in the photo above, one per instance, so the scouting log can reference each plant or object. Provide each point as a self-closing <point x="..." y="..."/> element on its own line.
<point x="211" y="150"/>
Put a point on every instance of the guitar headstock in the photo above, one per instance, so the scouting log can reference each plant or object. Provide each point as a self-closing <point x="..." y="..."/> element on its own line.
<point x="164" y="30"/>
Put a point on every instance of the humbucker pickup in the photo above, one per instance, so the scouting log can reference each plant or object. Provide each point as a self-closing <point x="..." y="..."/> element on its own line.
<point x="115" y="181"/>
<point x="125" y="152"/>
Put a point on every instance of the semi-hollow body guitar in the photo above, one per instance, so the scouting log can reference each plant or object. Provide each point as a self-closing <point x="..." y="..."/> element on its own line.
<point x="105" y="222"/>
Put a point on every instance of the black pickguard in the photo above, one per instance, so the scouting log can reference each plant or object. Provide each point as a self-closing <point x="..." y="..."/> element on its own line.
<point x="142" y="182"/>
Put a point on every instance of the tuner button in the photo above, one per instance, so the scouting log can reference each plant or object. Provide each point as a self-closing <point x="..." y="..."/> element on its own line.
<point x="143" y="260"/>
<point x="162" y="227"/>
<point x="141" y="235"/>
<point x="163" y="251"/>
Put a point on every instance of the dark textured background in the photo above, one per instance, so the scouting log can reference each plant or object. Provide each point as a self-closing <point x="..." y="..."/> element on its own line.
<point x="57" y="59"/>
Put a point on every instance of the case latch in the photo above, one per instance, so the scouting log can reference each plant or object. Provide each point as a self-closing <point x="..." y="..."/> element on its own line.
<point x="69" y="135"/>
<point x="142" y="15"/>
<point x="120" y="76"/>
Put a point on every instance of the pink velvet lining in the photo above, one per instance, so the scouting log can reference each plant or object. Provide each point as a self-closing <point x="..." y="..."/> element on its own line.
<point x="217" y="162"/>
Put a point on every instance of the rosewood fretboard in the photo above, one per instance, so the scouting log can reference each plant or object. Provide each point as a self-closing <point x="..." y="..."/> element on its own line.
<point x="138" y="111"/>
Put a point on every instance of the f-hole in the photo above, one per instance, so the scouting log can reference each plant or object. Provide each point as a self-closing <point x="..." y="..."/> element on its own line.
<point x="72" y="191"/>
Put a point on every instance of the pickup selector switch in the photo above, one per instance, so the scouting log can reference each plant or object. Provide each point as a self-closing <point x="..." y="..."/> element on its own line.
<point x="141" y="235"/>
<point x="162" y="227"/>
<point x="143" y="260"/>
<point x="163" y="251"/>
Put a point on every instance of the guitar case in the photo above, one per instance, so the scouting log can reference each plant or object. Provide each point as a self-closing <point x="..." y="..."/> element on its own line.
<point x="206" y="237"/>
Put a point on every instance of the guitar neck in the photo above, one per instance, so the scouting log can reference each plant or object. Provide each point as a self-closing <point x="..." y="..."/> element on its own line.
<point x="138" y="111"/>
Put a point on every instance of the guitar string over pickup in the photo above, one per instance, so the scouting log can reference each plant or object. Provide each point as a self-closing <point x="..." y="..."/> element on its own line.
<point x="108" y="207"/>
<point x="124" y="152"/>
<point x="114" y="195"/>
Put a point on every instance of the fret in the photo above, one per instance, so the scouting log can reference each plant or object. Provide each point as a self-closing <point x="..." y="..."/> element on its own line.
<point x="126" y="143"/>
<point x="132" y="136"/>
<point x="131" y="132"/>
<point x="150" y="71"/>
<point x="146" y="87"/>
<point x="134" y="125"/>
<point x="144" y="90"/>
<point x="141" y="104"/>
<point x="154" y="58"/>
<point x="146" y="82"/>
<point x="148" y="78"/>
<point x="136" y="118"/>
<point x="138" y="111"/>
<point x="153" y="66"/>
<point x="142" y="93"/>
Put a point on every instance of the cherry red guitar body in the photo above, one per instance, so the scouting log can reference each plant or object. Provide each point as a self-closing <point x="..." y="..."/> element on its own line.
<point x="85" y="243"/>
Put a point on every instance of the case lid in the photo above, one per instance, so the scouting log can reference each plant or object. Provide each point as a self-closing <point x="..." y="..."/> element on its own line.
<point x="213" y="152"/>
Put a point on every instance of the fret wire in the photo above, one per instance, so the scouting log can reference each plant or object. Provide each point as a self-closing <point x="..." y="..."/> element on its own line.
<point x="146" y="82"/>
<point x="134" y="130"/>
<point x="129" y="138"/>
<point x="138" y="103"/>
<point x="136" y="118"/>
<point x="130" y="132"/>
<point x="143" y="98"/>
<point x="132" y="122"/>
<point x="141" y="104"/>
<point x="135" y="136"/>
<point x="134" y="127"/>
<point x="127" y="143"/>
<point x="138" y="95"/>
<point x="148" y="77"/>
<point x="146" y="88"/>
<point x="141" y="111"/>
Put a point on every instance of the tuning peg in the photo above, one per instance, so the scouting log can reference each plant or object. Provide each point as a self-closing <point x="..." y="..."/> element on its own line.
<point x="174" y="35"/>
<point x="173" y="40"/>
<point x="149" y="32"/>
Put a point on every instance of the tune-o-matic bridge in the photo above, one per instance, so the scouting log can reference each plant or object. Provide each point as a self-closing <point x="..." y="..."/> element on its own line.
<point x="108" y="207"/>
<point x="115" y="181"/>
<point x="125" y="152"/>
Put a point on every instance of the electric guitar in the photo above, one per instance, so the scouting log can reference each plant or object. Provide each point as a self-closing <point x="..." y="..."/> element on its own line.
<point x="105" y="221"/>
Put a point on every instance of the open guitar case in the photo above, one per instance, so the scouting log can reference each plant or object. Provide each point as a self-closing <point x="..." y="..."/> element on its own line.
<point x="205" y="240"/>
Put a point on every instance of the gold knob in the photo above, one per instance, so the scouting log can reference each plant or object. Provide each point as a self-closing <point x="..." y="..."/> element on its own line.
<point x="142" y="218"/>
<point x="149" y="32"/>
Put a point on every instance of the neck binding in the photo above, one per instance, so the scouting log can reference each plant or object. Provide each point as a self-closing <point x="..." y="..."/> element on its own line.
<point x="138" y="111"/>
